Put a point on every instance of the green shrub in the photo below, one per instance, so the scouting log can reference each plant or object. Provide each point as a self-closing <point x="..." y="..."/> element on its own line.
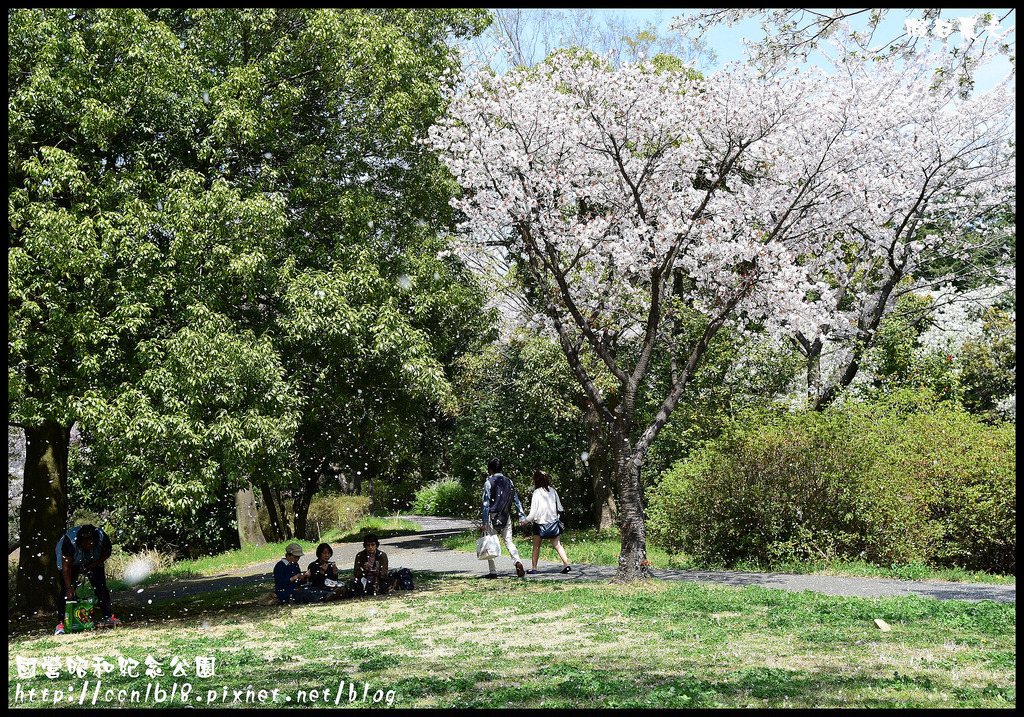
<point x="327" y="512"/>
<point x="907" y="480"/>
<point x="446" y="497"/>
<point x="131" y="567"/>
<point x="396" y="496"/>
<point x="774" y="492"/>
<point x="963" y="471"/>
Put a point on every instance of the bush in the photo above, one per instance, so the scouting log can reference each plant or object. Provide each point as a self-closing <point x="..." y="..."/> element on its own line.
<point x="765" y="493"/>
<point x="904" y="481"/>
<point x="395" y="496"/>
<point x="446" y="497"/>
<point x="134" y="567"/>
<point x="327" y="512"/>
<point x="964" y="470"/>
<point x="204" y="530"/>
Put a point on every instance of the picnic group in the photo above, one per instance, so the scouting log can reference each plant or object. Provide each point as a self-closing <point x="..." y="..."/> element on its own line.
<point x="83" y="550"/>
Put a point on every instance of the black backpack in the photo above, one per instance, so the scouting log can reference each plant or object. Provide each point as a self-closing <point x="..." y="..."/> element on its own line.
<point x="501" y="501"/>
<point x="402" y="580"/>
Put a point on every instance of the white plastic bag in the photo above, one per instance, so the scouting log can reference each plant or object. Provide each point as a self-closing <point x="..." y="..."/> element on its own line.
<point x="488" y="547"/>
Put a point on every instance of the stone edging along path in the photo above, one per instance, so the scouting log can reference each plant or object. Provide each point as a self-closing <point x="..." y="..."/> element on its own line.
<point x="423" y="552"/>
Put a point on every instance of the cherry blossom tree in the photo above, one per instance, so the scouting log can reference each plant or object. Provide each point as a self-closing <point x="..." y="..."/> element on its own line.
<point x="792" y="201"/>
<point x="621" y="197"/>
<point x="935" y="175"/>
<point x="796" y="32"/>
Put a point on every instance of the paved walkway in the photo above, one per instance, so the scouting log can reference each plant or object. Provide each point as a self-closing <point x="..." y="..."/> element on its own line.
<point x="423" y="552"/>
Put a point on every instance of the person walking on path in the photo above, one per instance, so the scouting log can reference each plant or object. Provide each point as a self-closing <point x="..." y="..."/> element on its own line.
<point x="546" y="516"/>
<point x="498" y="497"/>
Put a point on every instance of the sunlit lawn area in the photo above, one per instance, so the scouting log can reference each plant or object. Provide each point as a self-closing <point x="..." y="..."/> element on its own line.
<point x="458" y="642"/>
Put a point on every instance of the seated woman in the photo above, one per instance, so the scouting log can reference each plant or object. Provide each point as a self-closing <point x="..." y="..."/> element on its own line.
<point x="323" y="575"/>
<point x="371" y="569"/>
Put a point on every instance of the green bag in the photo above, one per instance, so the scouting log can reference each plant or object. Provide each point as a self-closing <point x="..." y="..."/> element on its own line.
<point x="78" y="615"/>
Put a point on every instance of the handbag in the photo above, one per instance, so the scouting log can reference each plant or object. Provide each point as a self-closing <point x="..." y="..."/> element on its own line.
<point x="488" y="547"/>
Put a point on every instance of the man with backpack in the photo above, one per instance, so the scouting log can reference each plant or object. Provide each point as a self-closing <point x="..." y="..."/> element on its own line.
<point x="499" y="495"/>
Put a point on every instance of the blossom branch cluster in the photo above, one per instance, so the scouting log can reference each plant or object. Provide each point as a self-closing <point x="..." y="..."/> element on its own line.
<point x="771" y="198"/>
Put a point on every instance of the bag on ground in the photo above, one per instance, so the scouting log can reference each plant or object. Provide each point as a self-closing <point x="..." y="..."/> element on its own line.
<point x="488" y="548"/>
<point x="78" y="615"/>
<point x="402" y="580"/>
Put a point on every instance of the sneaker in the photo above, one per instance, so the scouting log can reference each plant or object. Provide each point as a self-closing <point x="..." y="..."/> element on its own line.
<point x="519" y="570"/>
<point x="109" y="621"/>
<point x="59" y="630"/>
<point x="565" y="570"/>
<point x="491" y="575"/>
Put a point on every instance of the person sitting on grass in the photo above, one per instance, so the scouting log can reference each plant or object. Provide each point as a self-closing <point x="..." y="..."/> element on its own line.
<point x="370" y="571"/>
<point x="321" y="572"/>
<point x="83" y="549"/>
<point x="289" y="577"/>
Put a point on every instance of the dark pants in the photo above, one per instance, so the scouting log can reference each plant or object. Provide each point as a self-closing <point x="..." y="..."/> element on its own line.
<point x="97" y="578"/>
<point x="379" y="585"/>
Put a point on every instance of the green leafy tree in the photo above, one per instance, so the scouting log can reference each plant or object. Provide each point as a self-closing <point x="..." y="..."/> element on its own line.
<point x="164" y="161"/>
<point x="111" y="230"/>
<point x="327" y="111"/>
<point x="211" y="408"/>
<point x="990" y="364"/>
<point x="520" y="403"/>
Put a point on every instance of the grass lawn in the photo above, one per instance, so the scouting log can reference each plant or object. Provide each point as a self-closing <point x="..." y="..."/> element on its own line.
<point x="461" y="642"/>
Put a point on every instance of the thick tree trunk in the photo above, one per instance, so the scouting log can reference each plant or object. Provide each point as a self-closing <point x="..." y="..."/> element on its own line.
<point x="633" y="563"/>
<point x="249" y="531"/>
<point x="600" y="470"/>
<point x="44" y="515"/>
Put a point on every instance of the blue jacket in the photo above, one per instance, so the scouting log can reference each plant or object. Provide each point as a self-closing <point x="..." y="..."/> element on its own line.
<point x="283" y="585"/>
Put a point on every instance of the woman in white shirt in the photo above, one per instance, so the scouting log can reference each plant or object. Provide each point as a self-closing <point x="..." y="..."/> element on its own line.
<point x="545" y="514"/>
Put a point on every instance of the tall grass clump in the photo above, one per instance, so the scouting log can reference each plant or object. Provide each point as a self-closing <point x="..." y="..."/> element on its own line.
<point x="894" y="482"/>
<point x="445" y="497"/>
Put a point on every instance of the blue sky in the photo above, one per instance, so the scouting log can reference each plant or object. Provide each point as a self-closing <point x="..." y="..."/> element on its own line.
<point x="727" y="45"/>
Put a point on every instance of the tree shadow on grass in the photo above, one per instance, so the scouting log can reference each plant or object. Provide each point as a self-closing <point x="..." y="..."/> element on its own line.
<point x="229" y="597"/>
